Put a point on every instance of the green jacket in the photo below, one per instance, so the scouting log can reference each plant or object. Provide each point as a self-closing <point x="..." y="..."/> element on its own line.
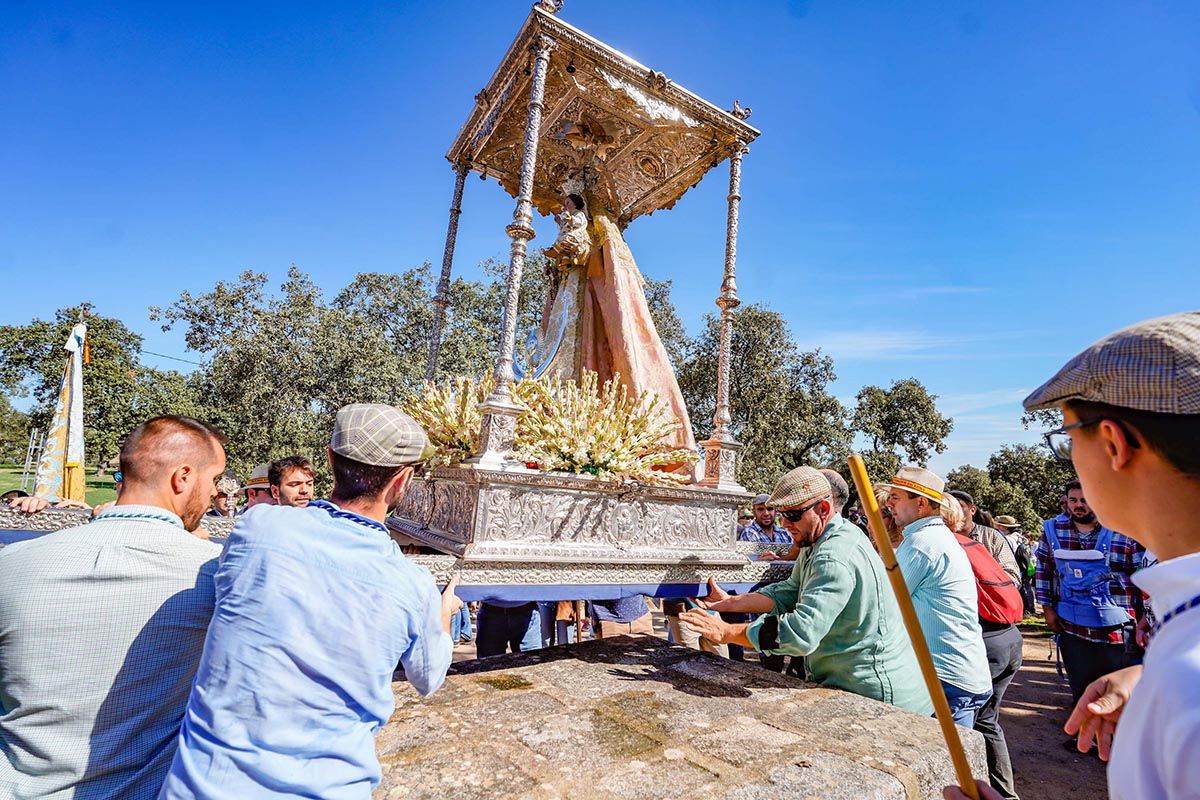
<point x="838" y="611"/>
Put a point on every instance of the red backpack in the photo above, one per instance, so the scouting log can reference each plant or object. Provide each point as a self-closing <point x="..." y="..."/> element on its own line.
<point x="999" y="598"/>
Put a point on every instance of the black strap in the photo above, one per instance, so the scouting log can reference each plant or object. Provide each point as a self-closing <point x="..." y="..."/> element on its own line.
<point x="768" y="634"/>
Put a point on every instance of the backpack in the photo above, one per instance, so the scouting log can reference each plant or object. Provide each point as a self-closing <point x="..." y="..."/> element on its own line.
<point x="1082" y="578"/>
<point x="999" y="598"/>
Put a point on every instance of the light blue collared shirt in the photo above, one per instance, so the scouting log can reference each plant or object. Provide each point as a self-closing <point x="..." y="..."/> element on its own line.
<point x="315" y="607"/>
<point x="942" y="584"/>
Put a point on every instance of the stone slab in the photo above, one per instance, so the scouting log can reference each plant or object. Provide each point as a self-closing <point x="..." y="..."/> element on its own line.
<point x="635" y="717"/>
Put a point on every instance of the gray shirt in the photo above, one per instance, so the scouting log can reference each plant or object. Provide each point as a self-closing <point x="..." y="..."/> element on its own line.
<point x="101" y="631"/>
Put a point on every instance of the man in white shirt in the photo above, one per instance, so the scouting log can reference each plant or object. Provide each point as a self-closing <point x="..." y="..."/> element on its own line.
<point x="1131" y="414"/>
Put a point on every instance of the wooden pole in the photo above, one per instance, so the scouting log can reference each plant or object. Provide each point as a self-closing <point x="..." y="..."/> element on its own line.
<point x="866" y="494"/>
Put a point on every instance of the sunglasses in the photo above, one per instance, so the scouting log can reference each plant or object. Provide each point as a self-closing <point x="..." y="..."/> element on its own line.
<point x="795" y="514"/>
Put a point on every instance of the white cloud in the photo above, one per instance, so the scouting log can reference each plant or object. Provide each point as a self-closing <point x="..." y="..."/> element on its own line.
<point x="957" y="404"/>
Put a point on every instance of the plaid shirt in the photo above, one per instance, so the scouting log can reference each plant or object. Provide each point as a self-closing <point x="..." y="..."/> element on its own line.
<point x="1125" y="558"/>
<point x="755" y="533"/>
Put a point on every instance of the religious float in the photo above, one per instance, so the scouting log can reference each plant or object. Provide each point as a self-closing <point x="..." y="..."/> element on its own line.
<point x="570" y="126"/>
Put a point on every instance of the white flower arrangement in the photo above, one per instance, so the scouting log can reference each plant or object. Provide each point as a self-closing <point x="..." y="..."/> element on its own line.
<point x="572" y="426"/>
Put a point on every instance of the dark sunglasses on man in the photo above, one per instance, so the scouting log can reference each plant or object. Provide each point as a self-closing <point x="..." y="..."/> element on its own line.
<point x="795" y="515"/>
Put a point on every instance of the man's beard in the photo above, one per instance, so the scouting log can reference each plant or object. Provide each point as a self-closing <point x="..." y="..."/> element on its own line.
<point x="1086" y="519"/>
<point x="194" y="512"/>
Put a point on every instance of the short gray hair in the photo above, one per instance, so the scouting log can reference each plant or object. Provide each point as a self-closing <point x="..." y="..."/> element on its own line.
<point x="839" y="489"/>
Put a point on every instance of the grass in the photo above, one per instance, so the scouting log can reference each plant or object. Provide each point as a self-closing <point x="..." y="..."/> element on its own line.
<point x="99" y="490"/>
<point x="1035" y="625"/>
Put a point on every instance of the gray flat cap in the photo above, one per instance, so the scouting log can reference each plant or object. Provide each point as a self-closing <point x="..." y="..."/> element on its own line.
<point x="799" y="487"/>
<point x="760" y="500"/>
<point x="380" y="435"/>
<point x="1151" y="366"/>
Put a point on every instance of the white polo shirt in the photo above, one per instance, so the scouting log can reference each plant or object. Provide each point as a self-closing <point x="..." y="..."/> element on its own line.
<point x="1156" y="753"/>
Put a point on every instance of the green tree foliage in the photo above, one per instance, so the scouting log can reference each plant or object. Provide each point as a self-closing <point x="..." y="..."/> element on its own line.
<point x="995" y="495"/>
<point x="14" y="433"/>
<point x="1022" y="480"/>
<point x="1046" y="419"/>
<point x="118" y="392"/>
<point x="902" y="421"/>
<point x="780" y="406"/>
<point x="278" y="363"/>
<point x="1035" y="473"/>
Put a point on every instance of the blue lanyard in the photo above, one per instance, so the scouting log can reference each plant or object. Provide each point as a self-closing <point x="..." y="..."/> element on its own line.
<point x="1176" y="611"/>
<point x="350" y="516"/>
<point x="171" y="520"/>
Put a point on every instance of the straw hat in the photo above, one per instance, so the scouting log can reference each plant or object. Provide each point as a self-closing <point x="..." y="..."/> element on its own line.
<point x="1006" y="521"/>
<point x="258" y="478"/>
<point x="919" y="480"/>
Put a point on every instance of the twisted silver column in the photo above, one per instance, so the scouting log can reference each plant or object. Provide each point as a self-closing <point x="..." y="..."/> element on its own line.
<point x="720" y="450"/>
<point x="441" y="300"/>
<point x="499" y="412"/>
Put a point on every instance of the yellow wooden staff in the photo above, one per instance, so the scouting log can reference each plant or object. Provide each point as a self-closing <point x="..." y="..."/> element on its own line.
<point x="866" y="494"/>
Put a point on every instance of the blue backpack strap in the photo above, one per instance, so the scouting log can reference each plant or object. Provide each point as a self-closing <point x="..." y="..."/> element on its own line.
<point x="1051" y="536"/>
<point x="1104" y="543"/>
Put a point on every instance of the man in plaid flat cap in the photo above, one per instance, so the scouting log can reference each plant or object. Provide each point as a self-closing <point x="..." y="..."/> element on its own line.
<point x="835" y="609"/>
<point x="315" y="607"/>
<point x="1131" y="427"/>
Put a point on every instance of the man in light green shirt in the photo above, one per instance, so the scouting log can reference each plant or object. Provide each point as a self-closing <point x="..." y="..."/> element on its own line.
<point x="836" y="609"/>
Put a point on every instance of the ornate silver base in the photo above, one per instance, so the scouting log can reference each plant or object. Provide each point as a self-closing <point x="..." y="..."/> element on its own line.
<point x="514" y="516"/>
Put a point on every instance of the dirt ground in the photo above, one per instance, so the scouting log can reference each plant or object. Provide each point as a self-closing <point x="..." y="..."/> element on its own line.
<point x="1035" y="708"/>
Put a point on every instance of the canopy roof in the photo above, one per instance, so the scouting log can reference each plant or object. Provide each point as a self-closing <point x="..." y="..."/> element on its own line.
<point x="636" y="140"/>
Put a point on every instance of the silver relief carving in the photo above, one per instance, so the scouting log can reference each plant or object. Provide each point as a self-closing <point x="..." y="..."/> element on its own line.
<point x="533" y="516"/>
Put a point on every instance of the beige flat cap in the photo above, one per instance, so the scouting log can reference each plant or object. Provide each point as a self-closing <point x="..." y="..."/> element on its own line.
<point x="798" y="488"/>
<point x="379" y="435"/>
<point x="1151" y="366"/>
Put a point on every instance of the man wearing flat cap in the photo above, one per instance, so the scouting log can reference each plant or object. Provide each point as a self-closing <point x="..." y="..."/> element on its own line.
<point x="836" y="608"/>
<point x="315" y="607"/>
<point x="942" y="584"/>
<point x="1131" y="414"/>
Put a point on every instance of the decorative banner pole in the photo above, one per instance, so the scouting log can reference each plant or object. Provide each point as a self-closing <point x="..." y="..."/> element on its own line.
<point x="499" y="426"/>
<point x="720" y="450"/>
<point x="866" y="493"/>
<point x="60" y="473"/>
<point x="441" y="300"/>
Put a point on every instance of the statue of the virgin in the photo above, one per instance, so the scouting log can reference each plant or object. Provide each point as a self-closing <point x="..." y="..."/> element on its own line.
<point x="596" y="316"/>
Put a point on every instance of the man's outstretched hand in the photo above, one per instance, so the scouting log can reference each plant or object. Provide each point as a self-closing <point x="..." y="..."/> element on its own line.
<point x="715" y="594"/>
<point x="1099" y="709"/>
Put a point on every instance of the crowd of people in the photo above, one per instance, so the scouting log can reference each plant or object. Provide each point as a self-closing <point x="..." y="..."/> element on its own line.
<point x="139" y="659"/>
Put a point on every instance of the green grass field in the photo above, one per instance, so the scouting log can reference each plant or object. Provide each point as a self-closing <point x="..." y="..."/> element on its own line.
<point x="99" y="490"/>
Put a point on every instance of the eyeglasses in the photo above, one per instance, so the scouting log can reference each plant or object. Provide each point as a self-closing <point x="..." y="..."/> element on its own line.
<point x="1059" y="440"/>
<point x="796" y="514"/>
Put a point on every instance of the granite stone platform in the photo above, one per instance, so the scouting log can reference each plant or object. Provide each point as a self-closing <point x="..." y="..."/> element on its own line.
<point x="638" y="718"/>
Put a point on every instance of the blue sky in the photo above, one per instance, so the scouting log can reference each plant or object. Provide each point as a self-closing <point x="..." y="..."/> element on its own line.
<point x="963" y="192"/>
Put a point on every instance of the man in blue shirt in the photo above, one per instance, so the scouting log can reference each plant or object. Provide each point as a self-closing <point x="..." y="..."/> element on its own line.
<point x="315" y="607"/>
<point x="942" y="584"/>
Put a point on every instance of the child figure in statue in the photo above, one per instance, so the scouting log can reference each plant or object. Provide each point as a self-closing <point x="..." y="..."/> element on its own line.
<point x="573" y="244"/>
